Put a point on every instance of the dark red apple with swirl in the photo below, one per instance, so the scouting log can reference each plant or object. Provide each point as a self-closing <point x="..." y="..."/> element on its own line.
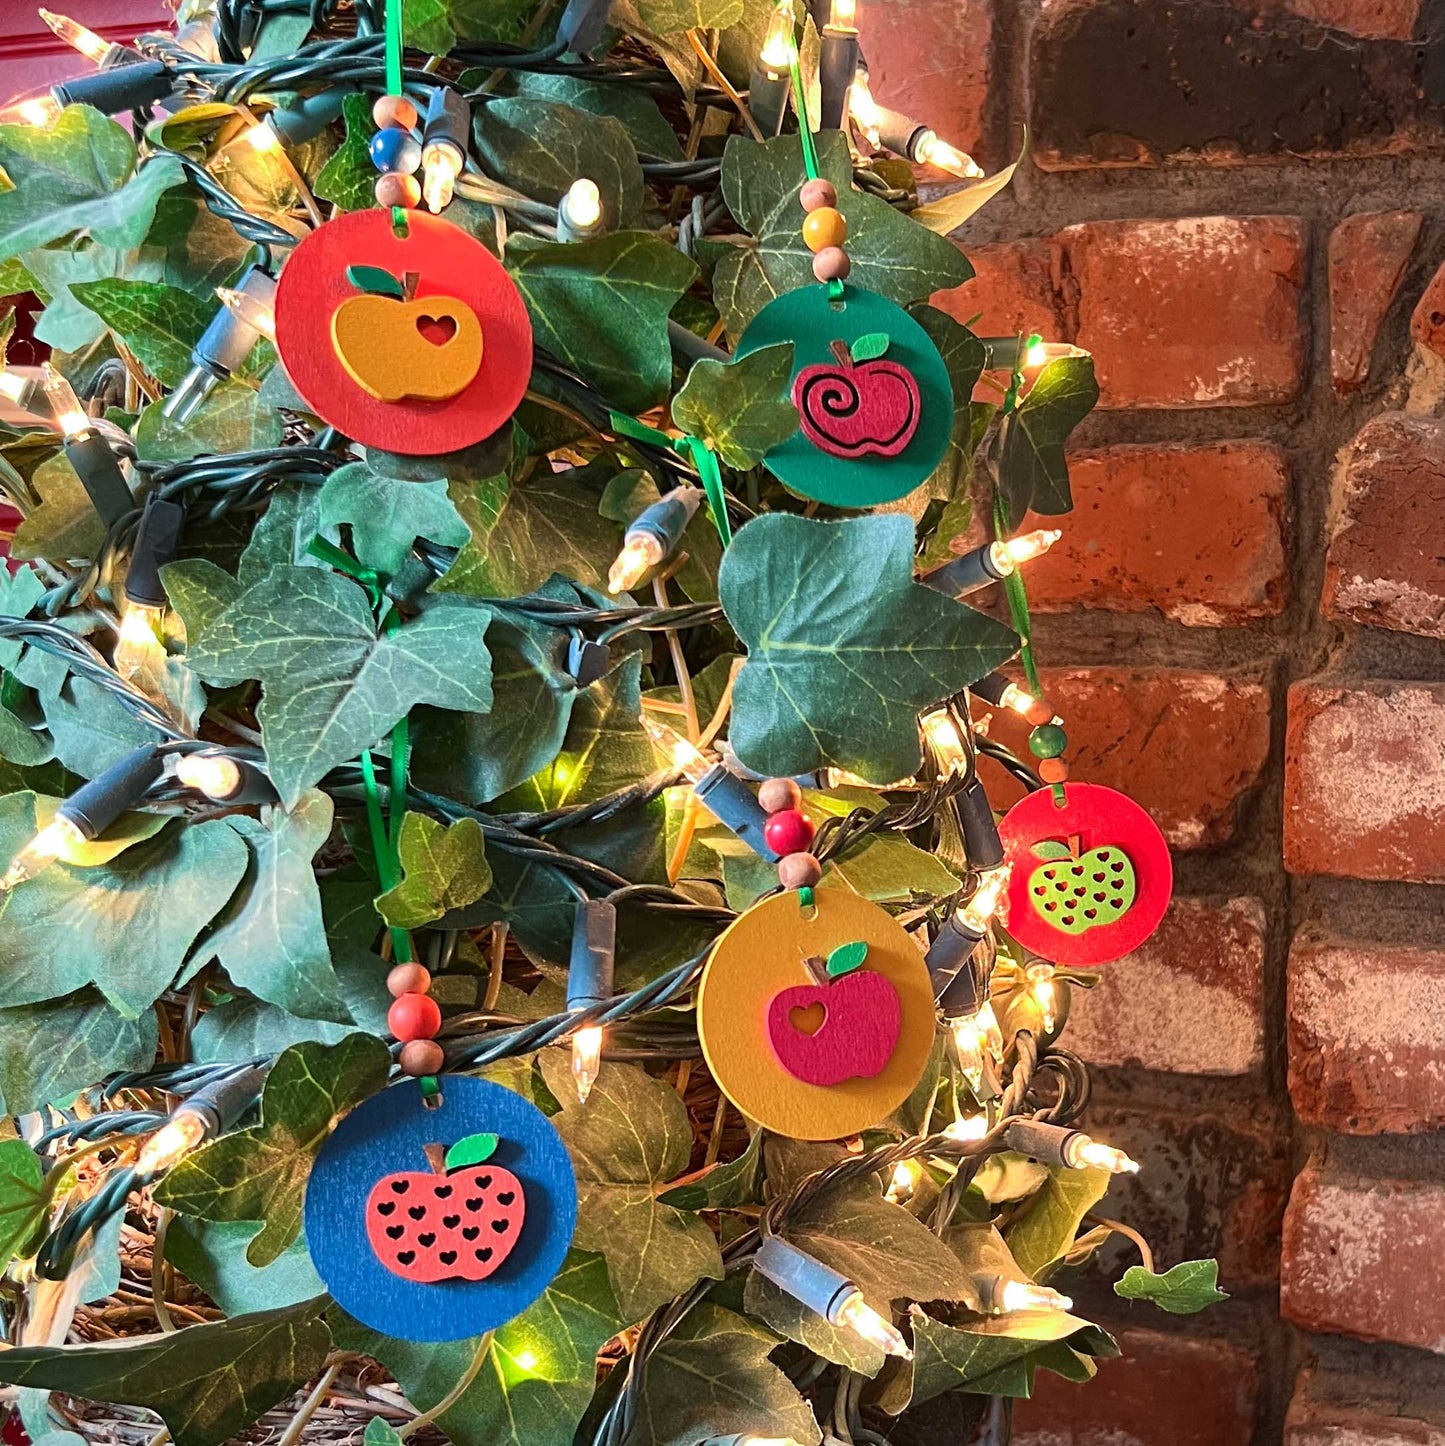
<point x="862" y="406"/>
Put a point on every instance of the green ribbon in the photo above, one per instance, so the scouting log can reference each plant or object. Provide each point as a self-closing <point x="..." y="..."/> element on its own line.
<point x="700" y="453"/>
<point x="393" y="47"/>
<point x="810" y="147"/>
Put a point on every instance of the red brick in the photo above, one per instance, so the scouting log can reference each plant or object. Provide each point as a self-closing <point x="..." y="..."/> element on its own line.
<point x="1363" y="1258"/>
<point x="1185" y="745"/>
<point x="1316" y="1421"/>
<point x="1364" y="787"/>
<point x="1368" y="255"/>
<point x="1190" y="1000"/>
<point x="1384" y="567"/>
<point x="931" y="60"/>
<point x="1013" y="290"/>
<point x="1165" y="1390"/>
<point x="1427" y="323"/>
<point x="1193" y="531"/>
<point x="1368" y="19"/>
<point x="1199" y="312"/>
<point x="1367" y="1037"/>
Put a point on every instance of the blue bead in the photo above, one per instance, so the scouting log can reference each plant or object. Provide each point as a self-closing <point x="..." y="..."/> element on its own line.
<point x="394" y="149"/>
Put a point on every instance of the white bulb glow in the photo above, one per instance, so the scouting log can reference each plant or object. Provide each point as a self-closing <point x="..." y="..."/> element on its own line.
<point x="212" y="774"/>
<point x="171" y="1143"/>
<point x="641" y="552"/>
<point x="251" y="310"/>
<point x="1084" y="1153"/>
<point x="92" y="46"/>
<point x="859" y="1316"/>
<point x="586" y="1059"/>
<point x="1023" y="1295"/>
<point x="48" y="845"/>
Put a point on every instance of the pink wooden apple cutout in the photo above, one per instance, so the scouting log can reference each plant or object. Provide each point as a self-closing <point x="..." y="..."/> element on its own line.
<point x="844" y="1026"/>
<point x="861" y="406"/>
<point x="458" y="1222"/>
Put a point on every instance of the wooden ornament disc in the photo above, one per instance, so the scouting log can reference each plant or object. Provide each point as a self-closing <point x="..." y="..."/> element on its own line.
<point x="382" y="1143"/>
<point x="389" y="386"/>
<point x="1066" y="908"/>
<point x="761" y="955"/>
<point x="860" y="469"/>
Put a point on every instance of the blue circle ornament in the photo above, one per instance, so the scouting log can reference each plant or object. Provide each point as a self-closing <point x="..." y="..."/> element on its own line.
<point x="874" y="398"/>
<point x="436" y="1221"/>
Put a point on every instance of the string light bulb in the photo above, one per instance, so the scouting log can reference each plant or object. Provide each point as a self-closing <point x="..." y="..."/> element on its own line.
<point x="906" y="1175"/>
<point x="213" y="774"/>
<point x="93" y="47"/>
<point x="1005" y="1297"/>
<point x="443" y="146"/>
<point x="138" y="640"/>
<point x="863" y="1320"/>
<point x="843" y="14"/>
<point x="769" y="83"/>
<point x="1043" y="992"/>
<point x="991" y="563"/>
<point x="978" y="1040"/>
<point x="865" y="111"/>
<point x="652" y="537"/>
<point x="172" y="1143"/>
<point x="930" y="149"/>
<point x="589" y="984"/>
<point x="256" y="312"/>
<point x="65" y="406"/>
<point x="579" y="214"/>
<point x="946" y="739"/>
<point x="1060" y="1145"/>
<point x="780" y="46"/>
<point x="682" y="755"/>
<point x="1086" y="1153"/>
<point x="40" y="112"/>
<point x="52" y="842"/>
<point x="1009" y="556"/>
<point x="969" y="1128"/>
<point x="210" y="1111"/>
<point x="87" y="451"/>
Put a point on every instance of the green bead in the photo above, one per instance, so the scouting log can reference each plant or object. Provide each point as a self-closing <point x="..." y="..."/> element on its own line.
<point x="1048" y="740"/>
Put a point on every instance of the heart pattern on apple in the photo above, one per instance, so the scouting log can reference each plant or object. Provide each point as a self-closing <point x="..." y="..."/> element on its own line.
<point x="861" y="406"/>
<point x="1077" y="891"/>
<point x="843" y="1026"/>
<point x="458" y="1221"/>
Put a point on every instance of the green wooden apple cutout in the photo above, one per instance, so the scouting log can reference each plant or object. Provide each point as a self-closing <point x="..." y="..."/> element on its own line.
<point x="1076" y="892"/>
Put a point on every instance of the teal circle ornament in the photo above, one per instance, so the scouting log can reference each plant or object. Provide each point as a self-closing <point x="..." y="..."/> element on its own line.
<point x="874" y="399"/>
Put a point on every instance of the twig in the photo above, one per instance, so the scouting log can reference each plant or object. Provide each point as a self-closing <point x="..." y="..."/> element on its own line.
<point x="494" y="971"/>
<point x="1146" y="1255"/>
<point x="484" y="1346"/>
<point x="307" y="1409"/>
<point x="725" y="85"/>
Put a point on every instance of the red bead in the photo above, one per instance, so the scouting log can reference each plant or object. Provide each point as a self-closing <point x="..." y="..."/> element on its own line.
<point x="788" y="832"/>
<point x="413" y="1016"/>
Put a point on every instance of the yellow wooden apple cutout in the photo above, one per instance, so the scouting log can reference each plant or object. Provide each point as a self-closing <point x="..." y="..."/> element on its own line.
<point x="397" y="346"/>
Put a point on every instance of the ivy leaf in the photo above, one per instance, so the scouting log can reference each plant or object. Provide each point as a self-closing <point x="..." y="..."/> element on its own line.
<point x="380" y="1432"/>
<point x="67" y="324"/>
<point x="207" y="1382"/>
<point x="65" y="525"/>
<point x="272" y="940"/>
<point x="23" y="1203"/>
<point x="232" y="419"/>
<point x="1184" y="1289"/>
<point x="601" y="307"/>
<point x="331" y="686"/>
<point x="667" y="17"/>
<point x="90" y="727"/>
<point x="844" y="648"/>
<point x="1045" y="1228"/>
<point x="348" y="179"/>
<point x="712" y="1377"/>
<point x="199" y="591"/>
<point x="212" y="1255"/>
<point x="891" y="254"/>
<point x="282" y="534"/>
<point x="949" y="212"/>
<point x="632" y="1135"/>
<point x="539" y="148"/>
<point x="890" y="870"/>
<point x="635" y="108"/>
<point x="739" y="1182"/>
<point x="1033" y="471"/>
<point x="201" y="250"/>
<point x="125" y="925"/>
<point x="260" y="1173"/>
<point x="741" y="407"/>
<point x="992" y="1357"/>
<point x="51" y="1049"/>
<point x="159" y="323"/>
<point x="436" y="25"/>
<point x="445" y="868"/>
<point x="386" y="515"/>
<point x="963" y="355"/>
<point x="78" y="175"/>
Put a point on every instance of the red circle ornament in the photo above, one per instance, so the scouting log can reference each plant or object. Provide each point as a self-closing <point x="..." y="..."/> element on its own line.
<point x="418" y="344"/>
<point x="1089" y="878"/>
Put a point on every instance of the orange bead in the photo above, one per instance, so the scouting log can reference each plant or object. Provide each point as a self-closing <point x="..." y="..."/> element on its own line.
<point x="393" y="110"/>
<point x="1053" y="770"/>
<point x="824" y="227"/>
<point x="413" y="1016"/>
<point x="421" y="1057"/>
<point x="395" y="189"/>
<point x="1039" y="713"/>
<point x="408" y="979"/>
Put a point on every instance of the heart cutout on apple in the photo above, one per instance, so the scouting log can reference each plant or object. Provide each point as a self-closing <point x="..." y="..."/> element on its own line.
<point x="438" y="330"/>
<point x="808" y="1019"/>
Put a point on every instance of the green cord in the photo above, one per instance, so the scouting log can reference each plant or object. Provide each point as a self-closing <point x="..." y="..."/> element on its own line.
<point x="703" y="458"/>
<point x="810" y="148"/>
<point x="393" y="47"/>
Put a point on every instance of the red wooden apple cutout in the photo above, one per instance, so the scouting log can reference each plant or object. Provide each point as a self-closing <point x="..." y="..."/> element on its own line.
<point x="863" y="405"/>
<point x="459" y="1221"/>
<point x="843" y="1027"/>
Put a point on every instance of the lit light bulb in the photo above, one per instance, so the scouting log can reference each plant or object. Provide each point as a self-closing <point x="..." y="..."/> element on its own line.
<point x="1015" y="1295"/>
<point x="525" y="1360"/>
<point x="945" y="738"/>
<point x="1037" y="353"/>
<point x="978" y="1039"/>
<point x="843" y="15"/>
<point x="1044" y="994"/>
<point x="1018" y="699"/>
<point x="586" y="1059"/>
<point x="858" y="1315"/>
<point x="263" y="139"/>
<point x="48" y="845"/>
<point x="680" y="753"/>
<point x="17" y="389"/>
<point x="970" y="1127"/>
<point x="138" y="641"/>
<point x="933" y="151"/>
<point x="171" y="1143"/>
<point x="1008" y="557"/>
<point x="65" y="405"/>
<point x="441" y="165"/>
<point x="864" y="109"/>
<point x="906" y="1175"/>
<point x="213" y="774"/>
<point x="641" y="552"/>
<point x="984" y="902"/>
<point x="92" y="46"/>
<point x="779" y="46"/>
<point x="251" y="310"/>
<point x="1082" y="1152"/>
<point x="581" y="208"/>
<point x="39" y="111"/>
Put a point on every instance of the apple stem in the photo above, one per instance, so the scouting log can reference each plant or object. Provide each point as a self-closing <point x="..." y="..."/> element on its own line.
<point x="409" y="283"/>
<point x="840" y="350"/>
<point x="817" y="966"/>
<point x="436" y="1157"/>
<point x="1075" y="841"/>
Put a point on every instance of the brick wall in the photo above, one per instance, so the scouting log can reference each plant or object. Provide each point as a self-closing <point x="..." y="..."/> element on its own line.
<point x="1235" y="205"/>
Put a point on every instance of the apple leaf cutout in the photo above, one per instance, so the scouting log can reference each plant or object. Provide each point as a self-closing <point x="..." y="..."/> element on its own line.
<point x="471" y="1150"/>
<point x="846" y="958"/>
<point x="871" y="346"/>
<point x="374" y="281"/>
<point x="1052" y="848"/>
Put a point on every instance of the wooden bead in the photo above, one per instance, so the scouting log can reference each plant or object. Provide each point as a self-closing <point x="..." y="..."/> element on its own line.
<point x="779" y="793"/>
<point x="422" y="1057"/>
<point x="815" y="195"/>
<point x="824" y="227"/>
<point x="788" y="832"/>
<point x="799" y="871"/>
<point x="408" y="979"/>
<point x="395" y="150"/>
<point x="393" y="110"/>
<point x="1048" y="740"/>
<point x="413" y="1016"/>
<point x="832" y="264"/>
<point x="1053" y="770"/>
<point x="1039" y="713"/>
<point x="394" y="189"/>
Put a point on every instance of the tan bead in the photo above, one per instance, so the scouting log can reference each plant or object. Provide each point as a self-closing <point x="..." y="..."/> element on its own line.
<point x="1039" y="713"/>
<point x="824" y="227"/>
<point x="408" y="979"/>
<point x="832" y="264"/>
<point x="393" y="110"/>
<point x="817" y="194"/>
<point x="799" y="871"/>
<point x="396" y="189"/>
<point x="776" y="794"/>
<point x="1053" y="770"/>
<point x="422" y="1057"/>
